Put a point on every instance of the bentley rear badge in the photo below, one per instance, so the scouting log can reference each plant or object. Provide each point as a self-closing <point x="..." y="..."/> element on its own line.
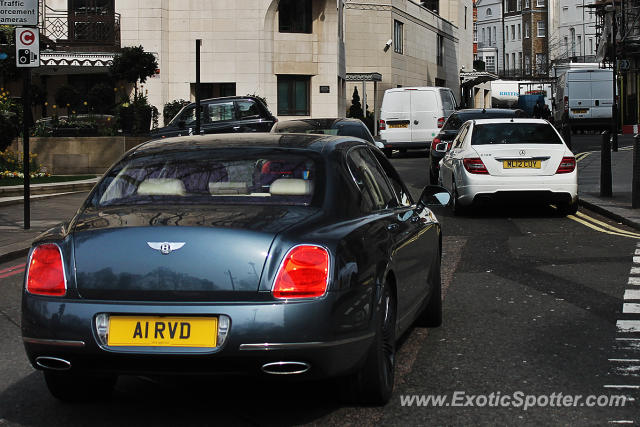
<point x="166" y="248"/>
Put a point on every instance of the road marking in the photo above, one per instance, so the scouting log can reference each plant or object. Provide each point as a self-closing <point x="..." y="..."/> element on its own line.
<point x="8" y="269"/>
<point x="635" y="270"/>
<point x="632" y="294"/>
<point x="608" y="226"/>
<point x="630" y="307"/>
<point x="602" y="230"/>
<point x="12" y="273"/>
<point x="621" y="422"/>
<point x="622" y="386"/>
<point x="634" y="280"/>
<point x="628" y="325"/>
<point x="625" y="360"/>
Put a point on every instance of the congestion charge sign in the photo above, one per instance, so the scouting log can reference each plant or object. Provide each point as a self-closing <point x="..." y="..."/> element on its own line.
<point x="19" y="12"/>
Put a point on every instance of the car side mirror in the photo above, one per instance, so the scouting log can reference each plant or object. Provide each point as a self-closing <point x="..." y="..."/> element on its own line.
<point x="434" y="195"/>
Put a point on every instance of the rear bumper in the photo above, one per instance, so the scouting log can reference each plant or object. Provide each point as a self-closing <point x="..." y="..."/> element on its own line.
<point x="404" y="144"/>
<point x="259" y="333"/>
<point x="561" y="188"/>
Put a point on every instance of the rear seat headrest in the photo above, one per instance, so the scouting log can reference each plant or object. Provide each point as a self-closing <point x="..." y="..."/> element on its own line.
<point x="161" y="187"/>
<point x="291" y="187"/>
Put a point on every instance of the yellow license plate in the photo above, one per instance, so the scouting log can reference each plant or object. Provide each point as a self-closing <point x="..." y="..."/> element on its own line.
<point x="398" y="125"/>
<point x="162" y="331"/>
<point x="522" y="164"/>
<point x="581" y="111"/>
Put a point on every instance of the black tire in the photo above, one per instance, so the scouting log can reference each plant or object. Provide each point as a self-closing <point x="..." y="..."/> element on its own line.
<point x="431" y="316"/>
<point x="433" y="175"/>
<point x="388" y="152"/>
<point x="79" y="388"/>
<point x="372" y="384"/>
<point x="570" y="208"/>
<point x="455" y="205"/>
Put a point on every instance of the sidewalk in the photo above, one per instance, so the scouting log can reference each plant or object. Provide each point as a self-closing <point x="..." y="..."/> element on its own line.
<point x="617" y="207"/>
<point x="50" y="209"/>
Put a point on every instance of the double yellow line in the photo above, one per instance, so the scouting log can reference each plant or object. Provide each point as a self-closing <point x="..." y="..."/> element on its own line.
<point x="584" y="155"/>
<point x="602" y="227"/>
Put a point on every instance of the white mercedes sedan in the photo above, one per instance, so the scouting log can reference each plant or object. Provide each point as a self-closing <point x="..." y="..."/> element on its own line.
<point x="510" y="159"/>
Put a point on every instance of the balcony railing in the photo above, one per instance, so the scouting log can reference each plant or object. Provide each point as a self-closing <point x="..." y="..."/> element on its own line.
<point x="82" y="30"/>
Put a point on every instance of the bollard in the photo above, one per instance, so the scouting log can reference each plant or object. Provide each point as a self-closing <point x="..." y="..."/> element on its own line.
<point x="614" y="141"/>
<point x="635" y="180"/>
<point x="566" y="135"/>
<point x="605" y="166"/>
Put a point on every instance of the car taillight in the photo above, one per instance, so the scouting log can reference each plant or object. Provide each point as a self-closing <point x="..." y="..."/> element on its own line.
<point x="475" y="165"/>
<point x="566" y="103"/>
<point x="383" y="125"/>
<point x="45" y="275"/>
<point x="567" y="165"/>
<point x="441" y="122"/>
<point x="303" y="273"/>
<point x="435" y="142"/>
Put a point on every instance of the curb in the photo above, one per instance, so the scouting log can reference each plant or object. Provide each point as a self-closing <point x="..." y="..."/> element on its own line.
<point x="609" y="214"/>
<point x="41" y="189"/>
<point x="13" y="254"/>
<point x="9" y="201"/>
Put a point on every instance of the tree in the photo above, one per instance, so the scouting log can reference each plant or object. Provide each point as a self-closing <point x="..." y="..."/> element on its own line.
<point x="133" y="64"/>
<point x="67" y="96"/>
<point x="356" y="108"/>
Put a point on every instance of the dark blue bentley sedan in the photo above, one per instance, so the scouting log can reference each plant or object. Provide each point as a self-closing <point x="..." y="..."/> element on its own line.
<point x="271" y="254"/>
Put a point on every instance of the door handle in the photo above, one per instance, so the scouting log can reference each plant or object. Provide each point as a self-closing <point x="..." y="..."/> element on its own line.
<point x="236" y="128"/>
<point x="415" y="122"/>
<point x="392" y="227"/>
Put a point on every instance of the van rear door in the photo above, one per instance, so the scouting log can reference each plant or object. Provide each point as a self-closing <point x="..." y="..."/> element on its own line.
<point x="580" y="99"/>
<point x="601" y="90"/>
<point x="395" y="111"/>
<point x="424" y="115"/>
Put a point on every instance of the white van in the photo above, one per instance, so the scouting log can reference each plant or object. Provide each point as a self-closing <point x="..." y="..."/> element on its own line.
<point x="584" y="99"/>
<point x="410" y="117"/>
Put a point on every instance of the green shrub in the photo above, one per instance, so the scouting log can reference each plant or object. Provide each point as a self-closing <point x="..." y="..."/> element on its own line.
<point x="172" y="108"/>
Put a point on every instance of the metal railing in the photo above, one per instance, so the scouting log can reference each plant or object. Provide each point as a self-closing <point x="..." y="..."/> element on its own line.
<point x="78" y="28"/>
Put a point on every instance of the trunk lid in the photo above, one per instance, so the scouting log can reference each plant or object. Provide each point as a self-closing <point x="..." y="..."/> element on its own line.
<point x="516" y="160"/>
<point x="177" y="254"/>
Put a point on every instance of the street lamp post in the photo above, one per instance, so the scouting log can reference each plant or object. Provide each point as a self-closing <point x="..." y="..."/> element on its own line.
<point x="614" y="106"/>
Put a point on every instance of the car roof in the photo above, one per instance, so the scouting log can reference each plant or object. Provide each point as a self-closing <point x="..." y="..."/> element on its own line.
<point x="226" y="98"/>
<point x="324" y="121"/>
<point x="507" y="111"/>
<point x="313" y="142"/>
<point x="510" y="120"/>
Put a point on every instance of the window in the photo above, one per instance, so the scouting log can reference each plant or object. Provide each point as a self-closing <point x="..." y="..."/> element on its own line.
<point x="506" y="63"/>
<point x="489" y="31"/>
<point x="294" y="16"/>
<point x="527" y="64"/>
<point x="506" y="33"/>
<point x="541" y="63"/>
<point x="483" y="37"/>
<point x="572" y="33"/>
<point x="209" y="113"/>
<point x="248" y="110"/>
<point x="579" y="45"/>
<point x="527" y="30"/>
<point x="519" y="32"/>
<point x="475" y="32"/>
<point x="542" y="31"/>
<point x="495" y="39"/>
<point x="513" y="32"/>
<point x="540" y="3"/>
<point x="519" y="5"/>
<point x="440" y="49"/>
<point x="465" y="17"/>
<point x="374" y="189"/>
<point x="520" y="60"/>
<point x="293" y="95"/>
<point x="490" y="64"/>
<point x="514" y="133"/>
<point x="566" y="45"/>
<point x="513" y="61"/>
<point x="398" y="36"/>
<point x="489" y="13"/>
<point x="591" y="46"/>
<point x="527" y="4"/>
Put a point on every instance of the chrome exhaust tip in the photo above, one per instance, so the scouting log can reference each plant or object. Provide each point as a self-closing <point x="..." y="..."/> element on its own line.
<point x="285" y="368"/>
<point x="53" y="363"/>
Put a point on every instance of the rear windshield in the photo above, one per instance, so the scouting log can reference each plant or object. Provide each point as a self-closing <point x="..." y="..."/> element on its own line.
<point x="456" y="120"/>
<point x="514" y="133"/>
<point x="213" y="177"/>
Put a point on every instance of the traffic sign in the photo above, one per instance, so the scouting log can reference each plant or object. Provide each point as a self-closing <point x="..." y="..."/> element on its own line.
<point x="19" y="13"/>
<point x="27" y="47"/>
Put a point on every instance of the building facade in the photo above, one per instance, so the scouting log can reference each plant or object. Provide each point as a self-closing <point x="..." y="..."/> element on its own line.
<point x="490" y="35"/>
<point x="572" y="31"/>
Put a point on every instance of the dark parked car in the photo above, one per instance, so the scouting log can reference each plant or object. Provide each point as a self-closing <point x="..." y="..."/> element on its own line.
<point x="334" y="126"/>
<point x="450" y="130"/>
<point x="266" y="254"/>
<point x="220" y="115"/>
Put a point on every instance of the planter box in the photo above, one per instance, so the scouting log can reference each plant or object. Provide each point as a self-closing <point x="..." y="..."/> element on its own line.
<point x="79" y="155"/>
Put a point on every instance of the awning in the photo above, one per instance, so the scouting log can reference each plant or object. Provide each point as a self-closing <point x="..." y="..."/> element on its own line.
<point x="364" y="77"/>
<point x="472" y="78"/>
